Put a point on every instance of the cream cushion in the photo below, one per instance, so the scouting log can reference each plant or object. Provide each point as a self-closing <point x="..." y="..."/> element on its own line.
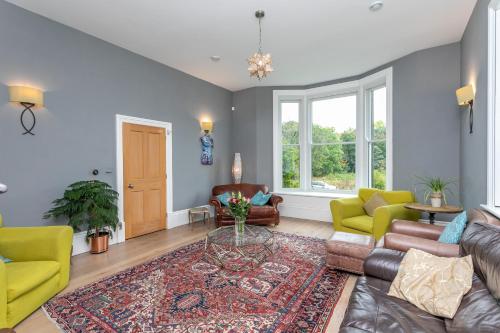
<point x="373" y="203"/>
<point x="433" y="284"/>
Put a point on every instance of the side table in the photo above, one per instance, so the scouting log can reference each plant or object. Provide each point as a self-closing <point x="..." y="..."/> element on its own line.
<point x="199" y="211"/>
<point x="433" y="210"/>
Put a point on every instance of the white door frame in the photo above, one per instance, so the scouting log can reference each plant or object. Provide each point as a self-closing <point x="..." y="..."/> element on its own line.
<point x="120" y="120"/>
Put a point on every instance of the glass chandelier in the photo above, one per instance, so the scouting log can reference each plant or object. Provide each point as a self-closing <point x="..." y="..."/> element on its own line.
<point x="259" y="63"/>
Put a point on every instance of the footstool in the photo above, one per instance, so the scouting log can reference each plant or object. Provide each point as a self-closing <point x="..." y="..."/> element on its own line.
<point x="347" y="252"/>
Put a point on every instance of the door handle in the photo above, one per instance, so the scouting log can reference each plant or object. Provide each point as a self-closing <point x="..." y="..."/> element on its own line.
<point x="130" y="186"/>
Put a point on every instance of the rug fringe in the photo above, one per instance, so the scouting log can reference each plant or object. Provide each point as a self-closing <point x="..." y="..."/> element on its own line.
<point x="53" y="320"/>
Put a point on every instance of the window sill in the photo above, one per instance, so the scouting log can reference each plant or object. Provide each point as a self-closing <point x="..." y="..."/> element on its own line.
<point x="316" y="194"/>
<point x="492" y="209"/>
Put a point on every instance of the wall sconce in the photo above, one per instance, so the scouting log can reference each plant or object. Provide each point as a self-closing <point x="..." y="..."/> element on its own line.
<point x="465" y="96"/>
<point x="207" y="126"/>
<point x="237" y="169"/>
<point x="27" y="97"/>
<point x="207" y="143"/>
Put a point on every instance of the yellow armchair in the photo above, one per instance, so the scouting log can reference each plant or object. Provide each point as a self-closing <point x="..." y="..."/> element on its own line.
<point x="349" y="215"/>
<point x="39" y="269"/>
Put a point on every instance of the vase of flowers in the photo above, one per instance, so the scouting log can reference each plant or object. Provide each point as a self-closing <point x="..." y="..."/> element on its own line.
<point x="239" y="207"/>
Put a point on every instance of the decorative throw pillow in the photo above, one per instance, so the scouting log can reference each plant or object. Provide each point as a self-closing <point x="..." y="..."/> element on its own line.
<point x="452" y="233"/>
<point x="5" y="260"/>
<point x="433" y="284"/>
<point x="260" y="199"/>
<point x="373" y="203"/>
<point x="223" y="198"/>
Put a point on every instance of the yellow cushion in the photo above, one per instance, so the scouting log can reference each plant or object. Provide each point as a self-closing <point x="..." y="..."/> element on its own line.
<point x="26" y="275"/>
<point x="433" y="284"/>
<point x="362" y="223"/>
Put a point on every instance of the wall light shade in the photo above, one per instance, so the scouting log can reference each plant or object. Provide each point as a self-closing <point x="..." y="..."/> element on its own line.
<point x="207" y="126"/>
<point x="237" y="169"/>
<point x="465" y="95"/>
<point x="20" y="94"/>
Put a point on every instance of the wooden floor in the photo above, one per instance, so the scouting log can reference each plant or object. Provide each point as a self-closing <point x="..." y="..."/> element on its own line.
<point x="87" y="268"/>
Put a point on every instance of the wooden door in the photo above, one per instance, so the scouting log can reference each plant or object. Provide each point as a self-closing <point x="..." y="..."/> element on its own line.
<point x="144" y="181"/>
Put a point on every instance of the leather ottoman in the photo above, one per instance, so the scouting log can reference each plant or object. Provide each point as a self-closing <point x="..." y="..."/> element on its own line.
<point x="347" y="252"/>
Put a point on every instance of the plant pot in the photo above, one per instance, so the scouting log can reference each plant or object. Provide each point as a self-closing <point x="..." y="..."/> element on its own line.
<point x="436" y="199"/>
<point x="99" y="244"/>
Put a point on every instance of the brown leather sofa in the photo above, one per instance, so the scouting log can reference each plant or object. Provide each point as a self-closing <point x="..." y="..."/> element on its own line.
<point x="259" y="215"/>
<point x="371" y="310"/>
<point x="409" y="234"/>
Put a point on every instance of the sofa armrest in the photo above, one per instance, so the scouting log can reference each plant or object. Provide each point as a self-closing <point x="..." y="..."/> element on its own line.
<point x="275" y="200"/>
<point x="215" y="202"/>
<point x="3" y="295"/>
<point x="403" y="243"/>
<point x="383" y="217"/>
<point x="383" y="263"/>
<point x="348" y="207"/>
<point x="52" y="243"/>
<point x="417" y="229"/>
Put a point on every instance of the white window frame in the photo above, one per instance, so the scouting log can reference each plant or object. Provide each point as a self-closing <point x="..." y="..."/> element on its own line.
<point x="360" y="89"/>
<point x="493" y="145"/>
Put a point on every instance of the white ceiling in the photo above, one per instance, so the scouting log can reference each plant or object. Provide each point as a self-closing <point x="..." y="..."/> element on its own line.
<point x="310" y="41"/>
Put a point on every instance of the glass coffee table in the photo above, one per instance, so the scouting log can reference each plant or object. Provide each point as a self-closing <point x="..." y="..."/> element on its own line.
<point x="238" y="253"/>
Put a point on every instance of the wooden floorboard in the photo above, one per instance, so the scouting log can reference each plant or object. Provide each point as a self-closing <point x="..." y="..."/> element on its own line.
<point x="87" y="268"/>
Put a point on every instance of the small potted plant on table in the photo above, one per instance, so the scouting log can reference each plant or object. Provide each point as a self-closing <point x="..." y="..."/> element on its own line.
<point x="239" y="207"/>
<point x="90" y="204"/>
<point x="436" y="189"/>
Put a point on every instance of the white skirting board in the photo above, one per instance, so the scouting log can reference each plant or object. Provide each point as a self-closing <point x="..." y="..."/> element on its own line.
<point x="304" y="207"/>
<point x="175" y="219"/>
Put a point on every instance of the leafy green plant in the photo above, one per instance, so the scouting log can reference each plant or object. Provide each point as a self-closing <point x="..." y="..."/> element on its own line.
<point x="436" y="185"/>
<point x="89" y="203"/>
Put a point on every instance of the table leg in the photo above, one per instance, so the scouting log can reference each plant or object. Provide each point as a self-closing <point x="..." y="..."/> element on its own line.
<point x="432" y="218"/>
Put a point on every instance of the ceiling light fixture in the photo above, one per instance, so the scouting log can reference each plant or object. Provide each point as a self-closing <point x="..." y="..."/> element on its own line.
<point x="376" y="5"/>
<point x="259" y="63"/>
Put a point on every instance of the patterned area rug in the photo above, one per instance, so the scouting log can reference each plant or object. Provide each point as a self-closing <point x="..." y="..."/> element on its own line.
<point x="292" y="291"/>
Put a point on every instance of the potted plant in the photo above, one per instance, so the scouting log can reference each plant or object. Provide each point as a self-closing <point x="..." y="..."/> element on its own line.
<point x="90" y="204"/>
<point x="436" y="189"/>
<point x="238" y="208"/>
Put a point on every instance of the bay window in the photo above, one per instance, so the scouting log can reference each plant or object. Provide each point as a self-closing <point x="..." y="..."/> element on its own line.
<point x="334" y="138"/>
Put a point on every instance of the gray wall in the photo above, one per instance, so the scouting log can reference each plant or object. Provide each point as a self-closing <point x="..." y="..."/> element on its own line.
<point x="426" y="118"/>
<point x="87" y="81"/>
<point x="475" y="71"/>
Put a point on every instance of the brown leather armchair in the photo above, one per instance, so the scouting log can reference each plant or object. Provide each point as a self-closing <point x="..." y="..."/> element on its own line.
<point x="409" y="234"/>
<point x="260" y="215"/>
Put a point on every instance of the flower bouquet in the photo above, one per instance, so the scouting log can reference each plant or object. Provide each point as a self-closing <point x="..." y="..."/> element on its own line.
<point x="238" y="208"/>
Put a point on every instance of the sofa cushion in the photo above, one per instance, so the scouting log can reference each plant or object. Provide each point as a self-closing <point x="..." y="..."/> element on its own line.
<point x="373" y="203"/>
<point x="453" y="230"/>
<point x="260" y="199"/>
<point x="24" y="276"/>
<point x="482" y="242"/>
<point x="434" y="284"/>
<point x="371" y="310"/>
<point x="261" y="211"/>
<point x="361" y="223"/>
<point x="478" y="312"/>
<point x="223" y="198"/>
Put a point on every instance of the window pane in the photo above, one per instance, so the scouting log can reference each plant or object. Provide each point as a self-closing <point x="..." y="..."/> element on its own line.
<point x="290" y="122"/>
<point x="379" y="115"/>
<point x="378" y="164"/>
<point x="334" y="119"/>
<point x="291" y="167"/>
<point x="333" y="167"/>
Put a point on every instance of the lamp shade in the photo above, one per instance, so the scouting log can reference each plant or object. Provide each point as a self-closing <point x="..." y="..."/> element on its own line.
<point x="207" y="126"/>
<point x="237" y="168"/>
<point x="465" y="95"/>
<point x="21" y="94"/>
